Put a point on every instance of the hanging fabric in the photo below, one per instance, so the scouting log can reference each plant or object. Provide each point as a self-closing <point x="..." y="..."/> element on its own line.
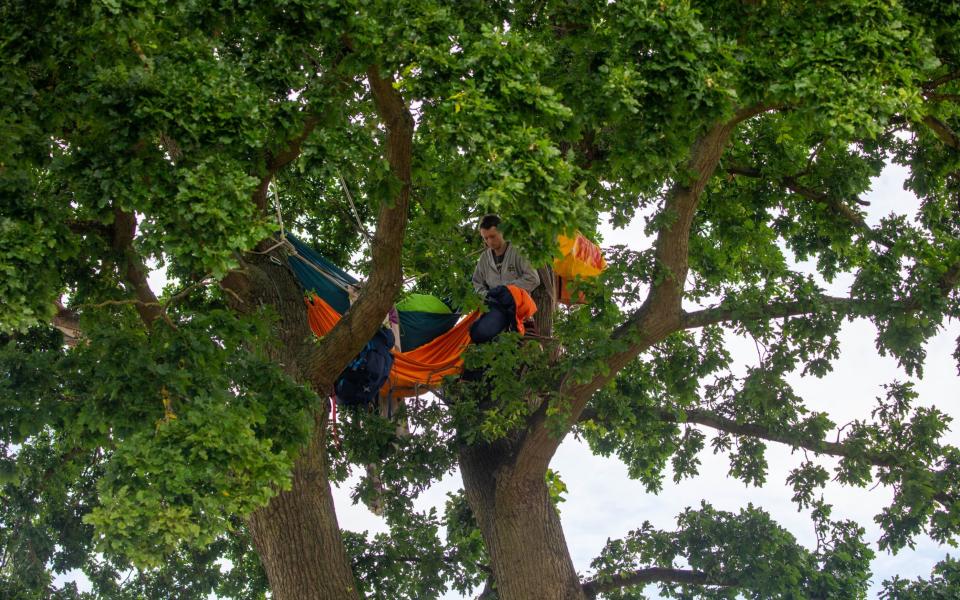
<point x="579" y="258"/>
<point x="418" y="370"/>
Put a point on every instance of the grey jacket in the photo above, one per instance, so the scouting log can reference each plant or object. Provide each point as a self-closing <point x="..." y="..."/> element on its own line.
<point x="514" y="270"/>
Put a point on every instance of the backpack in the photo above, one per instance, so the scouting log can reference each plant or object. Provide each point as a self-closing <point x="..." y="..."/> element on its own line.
<point x="359" y="384"/>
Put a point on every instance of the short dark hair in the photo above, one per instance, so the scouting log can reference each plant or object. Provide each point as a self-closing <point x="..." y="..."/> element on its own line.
<point x="489" y="221"/>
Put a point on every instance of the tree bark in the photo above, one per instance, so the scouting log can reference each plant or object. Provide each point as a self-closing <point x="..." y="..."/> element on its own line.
<point x="520" y="526"/>
<point x="545" y="297"/>
<point x="298" y="538"/>
<point x="296" y="535"/>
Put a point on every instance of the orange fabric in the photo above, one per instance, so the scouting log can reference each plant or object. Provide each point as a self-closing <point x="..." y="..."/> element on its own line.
<point x="418" y="370"/>
<point x="525" y="306"/>
<point x="565" y="296"/>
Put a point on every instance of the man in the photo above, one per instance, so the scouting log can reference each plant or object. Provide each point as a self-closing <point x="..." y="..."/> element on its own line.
<point x="501" y="263"/>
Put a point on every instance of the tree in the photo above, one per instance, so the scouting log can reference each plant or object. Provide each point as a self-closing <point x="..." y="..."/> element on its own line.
<point x="190" y="426"/>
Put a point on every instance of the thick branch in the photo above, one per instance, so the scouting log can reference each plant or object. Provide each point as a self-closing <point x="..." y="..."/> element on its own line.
<point x="383" y="285"/>
<point x="651" y="575"/>
<point x="660" y="313"/>
<point x="943" y="132"/>
<point x="133" y="271"/>
<point x="277" y="161"/>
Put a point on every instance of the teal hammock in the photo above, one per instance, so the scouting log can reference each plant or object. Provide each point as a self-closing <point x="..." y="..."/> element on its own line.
<point x="329" y="281"/>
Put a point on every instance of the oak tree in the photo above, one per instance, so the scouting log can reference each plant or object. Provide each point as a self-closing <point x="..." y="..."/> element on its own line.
<point x="176" y="442"/>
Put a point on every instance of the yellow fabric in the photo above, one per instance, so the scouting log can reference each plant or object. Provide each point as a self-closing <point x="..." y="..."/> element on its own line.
<point x="581" y="257"/>
<point x="425" y="367"/>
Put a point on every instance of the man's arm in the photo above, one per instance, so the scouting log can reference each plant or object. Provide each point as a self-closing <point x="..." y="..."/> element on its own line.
<point x="478" y="283"/>
<point x="527" y="276"/>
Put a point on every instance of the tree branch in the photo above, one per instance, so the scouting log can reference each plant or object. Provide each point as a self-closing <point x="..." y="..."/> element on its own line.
<point x="68" y="322"/>
<point x="935" y="83"/>
<point x="651" y="575"/>
<point x="773" y="310"/>
<point x="789" y="437"/>
<point x="707" y="418"/>
<point x="936" y="97"/>
<point x="361" y="321"/>
<point x="489" y="592"/>
<point x="660" y="314"/>
<point x="779" y="310"/>
<point x="791" y="182"/>
<point x="133" y="271"/>
<point x="942" y="130"/>
<point x="277" y="161"/>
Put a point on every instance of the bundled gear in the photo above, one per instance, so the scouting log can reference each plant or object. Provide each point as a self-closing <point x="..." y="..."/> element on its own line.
<point x="501" y="316"/>
<point x="359" y="384"/>
<point x="579" y="257"/>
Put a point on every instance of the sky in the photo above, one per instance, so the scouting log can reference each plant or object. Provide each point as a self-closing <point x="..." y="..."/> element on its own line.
<point x="603" y="503"/>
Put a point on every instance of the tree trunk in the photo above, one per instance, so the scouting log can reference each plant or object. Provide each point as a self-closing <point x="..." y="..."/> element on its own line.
<point x="545" y="297"/>
<point x="298" y="538"/>
<point x="296" y="535"/>
<point x="520" y="526"/>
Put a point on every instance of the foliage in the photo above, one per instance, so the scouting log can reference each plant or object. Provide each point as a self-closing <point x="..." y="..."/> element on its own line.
<point x="745" y="554"/>
<point x="943" y="584"/>
<point x="176" y="138"/>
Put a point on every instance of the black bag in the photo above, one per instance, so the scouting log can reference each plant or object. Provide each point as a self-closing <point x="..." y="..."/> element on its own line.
<point x="502" y="316"/>
<point x="360" y="382"/>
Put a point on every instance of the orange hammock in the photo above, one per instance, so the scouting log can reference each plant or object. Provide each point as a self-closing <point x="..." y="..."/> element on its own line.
<point x="425" y="367"/>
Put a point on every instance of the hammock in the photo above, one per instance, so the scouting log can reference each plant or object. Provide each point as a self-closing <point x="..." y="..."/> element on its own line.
<point x="414" y="371"/>
<point x="419" y="325"/>
<point x="418" y="370"/>
<point x="442" y="338"/>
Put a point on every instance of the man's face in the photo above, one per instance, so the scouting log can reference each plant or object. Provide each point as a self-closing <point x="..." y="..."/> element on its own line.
<point x="492" y="238"/>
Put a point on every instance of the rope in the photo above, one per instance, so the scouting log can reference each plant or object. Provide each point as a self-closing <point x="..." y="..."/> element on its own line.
<point x="356" y="214"/>
<point x="283" y="234"/>
<point x="333" y="421"/>
<point x="335" y="280"/>
<point x="276" y="204"/>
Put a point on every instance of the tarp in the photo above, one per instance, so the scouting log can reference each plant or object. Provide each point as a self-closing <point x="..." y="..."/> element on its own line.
<point x="423" y="303"/>
<point x="580" y="258"/>
<point x="414" y="371"/>
<point x="422" y="320"/>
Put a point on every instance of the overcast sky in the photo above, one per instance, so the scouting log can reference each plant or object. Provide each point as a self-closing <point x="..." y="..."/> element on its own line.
<point x="603" y="502"/>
